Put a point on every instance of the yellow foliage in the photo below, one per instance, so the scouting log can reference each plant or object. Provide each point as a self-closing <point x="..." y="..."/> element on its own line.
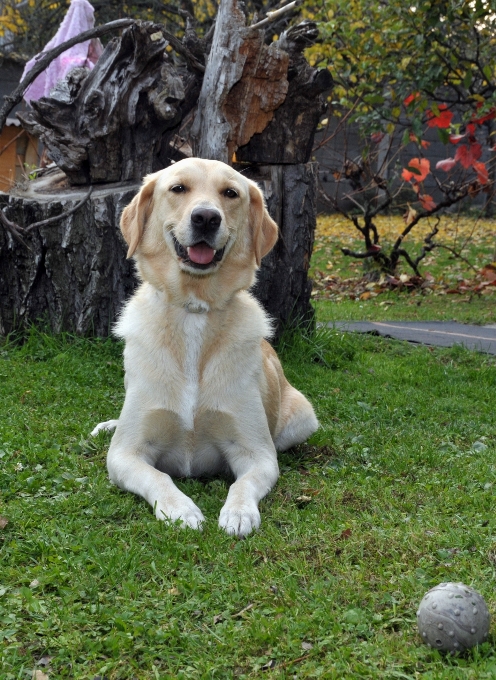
<point x="11" y="20"/>
<point x="337" y="227"/>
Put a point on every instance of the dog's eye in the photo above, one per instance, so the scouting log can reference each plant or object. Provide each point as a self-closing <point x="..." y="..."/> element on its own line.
<point x="230" y="193"/>
<point x="178" y="188"/>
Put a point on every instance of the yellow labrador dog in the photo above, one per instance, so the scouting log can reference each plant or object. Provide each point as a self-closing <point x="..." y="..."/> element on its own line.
<point x="205" y="393"/>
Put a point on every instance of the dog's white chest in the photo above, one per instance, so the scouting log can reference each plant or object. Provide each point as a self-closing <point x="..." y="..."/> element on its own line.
<point x="194" y="328"/>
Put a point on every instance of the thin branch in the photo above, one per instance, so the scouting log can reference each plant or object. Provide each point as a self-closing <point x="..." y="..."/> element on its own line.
<point x="4" y="148"/>
<point x="458" y="255"/>
<point x="275" y="14"/>
<point x="17" y="232"/>
<point x="57" y="218"/>
<point x="12" y="228"/>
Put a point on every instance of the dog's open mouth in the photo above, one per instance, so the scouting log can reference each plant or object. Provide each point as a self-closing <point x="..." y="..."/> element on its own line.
<point x="200" y="255"/>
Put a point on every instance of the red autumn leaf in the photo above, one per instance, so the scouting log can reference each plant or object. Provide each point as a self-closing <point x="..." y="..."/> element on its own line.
<point x="454" y="139"/>
<point x="411" y="98"/>
<point x="446" y="165"/>
<point x="467" y="155"/>
<point x="471" y="131"/>
<point x="486" y="116"/>
<point x="374" y="248"/>
<point x="443" y="120"/>
<point x="376" y="137"/>
<point x="416" y="170"/>
<point x="424" y="144"/>
<point x="427" y="202"/>
<point x="481" y="170"/>
<point x="346" y="533"/>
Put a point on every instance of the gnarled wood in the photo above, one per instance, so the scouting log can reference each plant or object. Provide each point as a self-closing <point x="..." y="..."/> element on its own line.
<point x="288" y="138"/>
<point x="107" y="125"/>
<point x="211" y="130"/>
<point x="250" y="104"/>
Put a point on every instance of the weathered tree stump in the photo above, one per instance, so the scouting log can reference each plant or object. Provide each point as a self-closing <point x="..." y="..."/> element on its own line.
<point x="75" y="275"/>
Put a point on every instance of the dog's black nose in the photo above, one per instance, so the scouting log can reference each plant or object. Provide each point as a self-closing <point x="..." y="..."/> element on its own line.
<point x="206" y="219"/>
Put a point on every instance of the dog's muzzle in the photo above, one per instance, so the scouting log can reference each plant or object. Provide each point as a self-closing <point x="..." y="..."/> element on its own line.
<point x="199" y="255"/>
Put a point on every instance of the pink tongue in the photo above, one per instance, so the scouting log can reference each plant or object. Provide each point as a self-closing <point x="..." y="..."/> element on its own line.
<point x="201" y="253"/>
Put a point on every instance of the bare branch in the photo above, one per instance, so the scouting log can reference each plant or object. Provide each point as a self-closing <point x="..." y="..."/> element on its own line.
<point x="458" y="255"/>
<point x="13" y="228"/>
<point x="275" y="14"/>
<point x="18" y="232"/>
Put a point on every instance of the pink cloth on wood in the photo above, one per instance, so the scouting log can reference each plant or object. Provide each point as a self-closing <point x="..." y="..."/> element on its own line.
<point x="79" y="18"/>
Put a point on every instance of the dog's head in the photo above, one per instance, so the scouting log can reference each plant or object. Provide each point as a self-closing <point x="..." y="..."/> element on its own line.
<point x="198" y="219"/>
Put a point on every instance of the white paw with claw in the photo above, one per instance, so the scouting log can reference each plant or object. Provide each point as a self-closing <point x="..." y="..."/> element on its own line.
<point x="107" y="426"/>
<point x="239" y="520"/>
<point x="183" y="510"/>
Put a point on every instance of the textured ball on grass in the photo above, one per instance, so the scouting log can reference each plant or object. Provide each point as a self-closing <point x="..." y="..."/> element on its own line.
<point x="453" y="617"/>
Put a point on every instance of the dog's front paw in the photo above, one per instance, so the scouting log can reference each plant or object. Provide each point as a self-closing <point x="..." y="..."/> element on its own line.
<point x="184" y="511"/>
<point x="239" y="520"/>
<point x="107" y="426"/>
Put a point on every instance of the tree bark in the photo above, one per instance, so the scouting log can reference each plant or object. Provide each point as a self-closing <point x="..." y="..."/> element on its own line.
<point x="244" y="83"/>
<point x="108" y="124"/>
<point x="75" y="275"/>
<point x="283" y="286"/>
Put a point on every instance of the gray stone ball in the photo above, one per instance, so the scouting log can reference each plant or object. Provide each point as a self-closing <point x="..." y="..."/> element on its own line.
<point x="453" y="617"/>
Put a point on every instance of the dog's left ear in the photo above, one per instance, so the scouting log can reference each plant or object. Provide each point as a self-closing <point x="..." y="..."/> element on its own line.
<point x="265" y="230"/>
<point x="135" y="215"/>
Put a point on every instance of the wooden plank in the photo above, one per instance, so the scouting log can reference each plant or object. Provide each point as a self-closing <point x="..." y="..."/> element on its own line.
<point x="8" y="157"/>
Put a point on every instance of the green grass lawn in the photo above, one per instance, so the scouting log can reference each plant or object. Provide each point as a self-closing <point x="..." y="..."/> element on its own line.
<point x="394" y="494"/>
<point x="402" y="306"/>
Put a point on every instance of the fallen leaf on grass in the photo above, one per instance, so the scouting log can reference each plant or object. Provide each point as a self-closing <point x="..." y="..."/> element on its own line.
<point x="3" y="522"/>
<point x="39" y="675"/>
<point x="345" y="534"/>
<point x="489" y="272"/>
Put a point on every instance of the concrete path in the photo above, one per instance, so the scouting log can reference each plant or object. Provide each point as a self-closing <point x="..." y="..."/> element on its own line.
<point x="441" y="333"/>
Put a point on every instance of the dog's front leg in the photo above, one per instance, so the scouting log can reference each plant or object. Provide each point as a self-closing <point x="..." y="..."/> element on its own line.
<point x="132" y="473"/>
<point x="255" y="475"/>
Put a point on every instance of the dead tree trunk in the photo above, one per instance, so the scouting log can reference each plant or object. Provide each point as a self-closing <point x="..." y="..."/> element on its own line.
<point x="75" y="275"/>
<point x="245" y="109"/>
<point x="283" y="286"/>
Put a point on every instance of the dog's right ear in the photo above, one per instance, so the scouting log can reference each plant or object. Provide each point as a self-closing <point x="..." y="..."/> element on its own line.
<point x="136" y="214"/>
